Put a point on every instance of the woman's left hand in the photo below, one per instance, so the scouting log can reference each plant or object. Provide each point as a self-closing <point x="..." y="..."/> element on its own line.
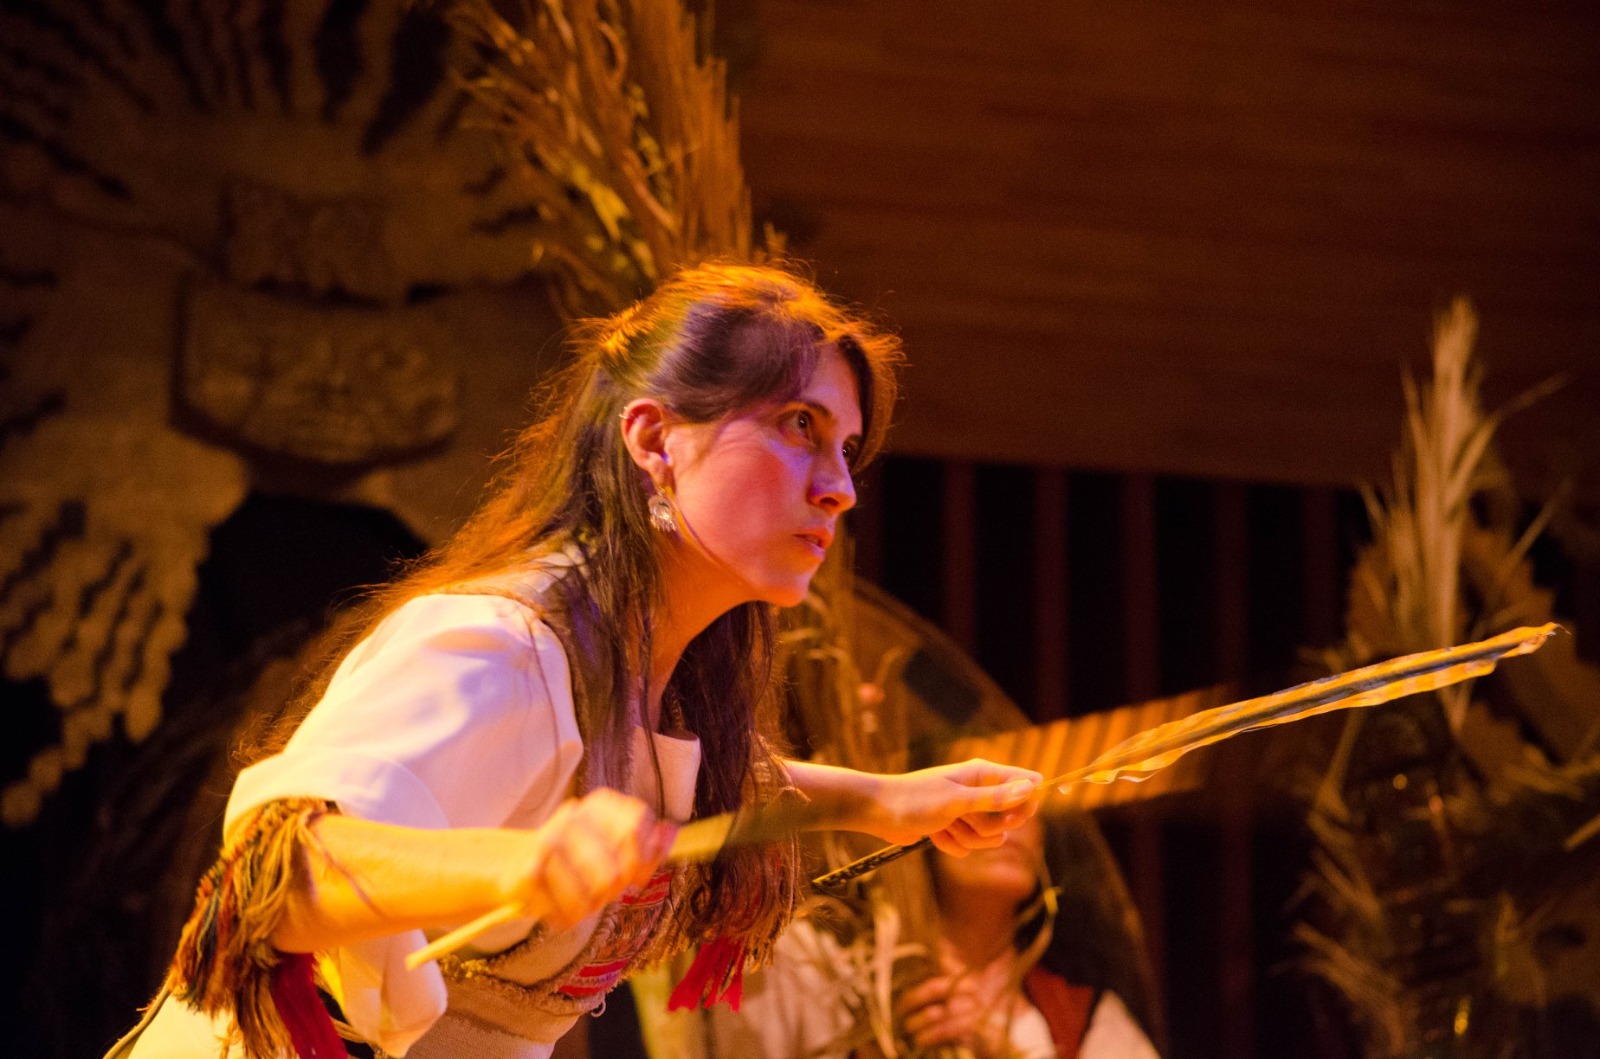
<point x="962" y="807"/>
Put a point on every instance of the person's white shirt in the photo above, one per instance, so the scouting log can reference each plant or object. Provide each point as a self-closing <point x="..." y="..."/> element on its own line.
<point x="455" y="711"/>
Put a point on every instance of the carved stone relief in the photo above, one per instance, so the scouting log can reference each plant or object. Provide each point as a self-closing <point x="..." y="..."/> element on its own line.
<point x="234" y="236"/>
<point x="331" y="384"/>
<point x="332" y="246"/>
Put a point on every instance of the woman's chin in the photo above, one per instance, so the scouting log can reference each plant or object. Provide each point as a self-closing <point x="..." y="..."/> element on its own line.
<point x="783" y="588"/>
<point x="1001" y="871"/>
<point x="788" y="595"/>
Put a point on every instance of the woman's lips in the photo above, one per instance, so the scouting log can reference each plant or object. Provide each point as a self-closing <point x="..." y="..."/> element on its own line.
<point x="817" y="540"/>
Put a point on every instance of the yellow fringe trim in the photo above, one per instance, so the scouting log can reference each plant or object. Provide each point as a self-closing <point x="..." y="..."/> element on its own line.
<point x="225" y="956"/>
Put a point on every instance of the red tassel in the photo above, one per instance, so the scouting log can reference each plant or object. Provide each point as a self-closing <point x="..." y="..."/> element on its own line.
<point x="294" y="994"/>
<point x="716" y="974"/>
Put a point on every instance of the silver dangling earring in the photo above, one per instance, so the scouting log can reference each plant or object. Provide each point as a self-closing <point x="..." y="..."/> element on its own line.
<point x="661" y="516"/>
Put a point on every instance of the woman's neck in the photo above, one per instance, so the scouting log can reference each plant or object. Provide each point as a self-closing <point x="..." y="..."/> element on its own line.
<point x="689" y="609"/>
<point x="977" y="927"/>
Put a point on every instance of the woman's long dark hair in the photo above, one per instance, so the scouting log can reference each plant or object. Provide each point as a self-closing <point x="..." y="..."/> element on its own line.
<point x="1097" y="939"/>
<point x="707" y="343"/>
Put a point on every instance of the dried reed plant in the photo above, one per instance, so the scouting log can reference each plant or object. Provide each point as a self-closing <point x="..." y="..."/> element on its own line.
<point x="889" y="928"/>
<point x="1408" y="594"/>
<point x="616" y="117"/>
<point x="1446" y="564"/>
<point x="883" y="938"/>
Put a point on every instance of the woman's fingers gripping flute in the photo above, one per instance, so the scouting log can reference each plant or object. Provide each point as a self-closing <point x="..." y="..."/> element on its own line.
<point x="965" y="806"/>
<point x="586" y="856"/>
<point x="946" y="1010"/>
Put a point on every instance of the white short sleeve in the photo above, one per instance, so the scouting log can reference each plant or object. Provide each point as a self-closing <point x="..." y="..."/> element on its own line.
<point x="796" y="1006"/>
<point x="1113" y="1033"/>
<point x="455" y="712"/>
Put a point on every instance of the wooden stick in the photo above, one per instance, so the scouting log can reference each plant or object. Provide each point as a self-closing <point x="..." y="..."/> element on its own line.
<point x="699" y="841"/>
<point x="445" y="944"/>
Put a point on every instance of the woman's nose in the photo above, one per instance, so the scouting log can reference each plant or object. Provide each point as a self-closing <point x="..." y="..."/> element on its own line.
<point x="832" y="487"/>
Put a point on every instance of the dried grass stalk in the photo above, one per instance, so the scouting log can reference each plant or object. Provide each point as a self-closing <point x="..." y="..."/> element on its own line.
<point x="1446" y="564"/>
<point x="1408" y="587"/>
<point x="612" y="114"/>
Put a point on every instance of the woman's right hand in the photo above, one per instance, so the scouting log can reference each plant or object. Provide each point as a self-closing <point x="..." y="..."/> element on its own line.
<point x="586" y="856"/>
<point x="947" y="1010"/>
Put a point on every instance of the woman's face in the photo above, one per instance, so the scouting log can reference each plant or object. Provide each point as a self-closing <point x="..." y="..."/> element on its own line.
<point x="760" y="492"/>
<point x="1005" y="874"/>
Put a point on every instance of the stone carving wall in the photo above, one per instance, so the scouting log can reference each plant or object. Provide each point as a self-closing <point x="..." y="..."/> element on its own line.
<point x="248" y="246"/>
<point x="340" y="385"/>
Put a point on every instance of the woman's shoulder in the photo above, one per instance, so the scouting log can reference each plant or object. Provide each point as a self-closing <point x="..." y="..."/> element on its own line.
<point x="462" y="637"/>
<point x="478" y="622"/>
<point x="520" y="598"/>
<point x="456" y="710"/>
<point x="533" y="582"/>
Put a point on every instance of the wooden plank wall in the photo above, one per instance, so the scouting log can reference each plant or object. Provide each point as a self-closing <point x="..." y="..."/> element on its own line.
<point x="1191" y="238"/>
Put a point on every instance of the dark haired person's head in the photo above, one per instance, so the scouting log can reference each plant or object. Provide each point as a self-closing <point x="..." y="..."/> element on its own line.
<point x="1095" y="940"/>
<point x="717" y="360"/>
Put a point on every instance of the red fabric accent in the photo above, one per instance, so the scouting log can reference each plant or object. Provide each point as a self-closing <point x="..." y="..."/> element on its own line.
<point x="716" y="974"/>
<point x="653" y="891"/>
<point x="1066" y="1008"/>
<point x="603" y="968"/>
<point x="294" y="994"/>
<point x="606" y="973"/>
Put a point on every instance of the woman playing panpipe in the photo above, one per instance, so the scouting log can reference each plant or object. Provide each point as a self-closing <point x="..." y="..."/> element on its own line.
<point x="521" y="718"/>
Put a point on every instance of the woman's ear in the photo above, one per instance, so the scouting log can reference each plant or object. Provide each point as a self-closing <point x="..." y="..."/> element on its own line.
<point x="644" y="432"/>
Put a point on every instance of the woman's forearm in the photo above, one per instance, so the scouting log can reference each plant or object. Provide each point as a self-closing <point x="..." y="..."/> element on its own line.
<point x="854" y="799"/>
<point x="970" y="804"/>
<point x="357" y="880"/>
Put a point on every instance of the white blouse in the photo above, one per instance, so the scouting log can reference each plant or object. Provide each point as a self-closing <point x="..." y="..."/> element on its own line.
<point x="456" y="711"/>
<point x="800" y="1005"/>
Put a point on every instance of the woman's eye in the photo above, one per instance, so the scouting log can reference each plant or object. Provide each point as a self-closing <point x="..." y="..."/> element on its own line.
<point x="800" y="421"/>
